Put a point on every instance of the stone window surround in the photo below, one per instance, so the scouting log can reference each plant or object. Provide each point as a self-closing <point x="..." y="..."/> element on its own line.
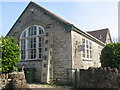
<point x="27" y="37"/>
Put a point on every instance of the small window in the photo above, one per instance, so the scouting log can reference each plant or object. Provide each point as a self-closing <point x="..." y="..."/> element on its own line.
<point x="44" y="65"/>
<point x="45" y="57"/>
<point x="45" y="49"/>
<point x="46" y="34"/>
<point x="46" y="42"/>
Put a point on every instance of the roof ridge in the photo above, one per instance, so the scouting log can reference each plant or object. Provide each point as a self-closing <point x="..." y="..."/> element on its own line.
<point x="98" y="30"/>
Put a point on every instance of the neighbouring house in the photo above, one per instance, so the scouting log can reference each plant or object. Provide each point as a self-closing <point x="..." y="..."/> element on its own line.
<point x="103" y="35"/>
<point x="50" y="45"/>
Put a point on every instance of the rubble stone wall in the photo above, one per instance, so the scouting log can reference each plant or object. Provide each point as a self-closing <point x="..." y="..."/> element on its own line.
<point x="99" y="78"/>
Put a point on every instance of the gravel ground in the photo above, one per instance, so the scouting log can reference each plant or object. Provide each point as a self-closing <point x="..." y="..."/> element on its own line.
<point x="47" y="86"/>
<point x="40" y="86"/>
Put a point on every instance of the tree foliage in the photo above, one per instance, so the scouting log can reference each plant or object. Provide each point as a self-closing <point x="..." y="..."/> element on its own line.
<point x="10" y="54"/>
<point x="110" y="55"/>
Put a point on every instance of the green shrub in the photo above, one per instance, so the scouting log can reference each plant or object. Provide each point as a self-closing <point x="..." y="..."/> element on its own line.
<point x="110" y="55"/>
<point x="10" y="54"/>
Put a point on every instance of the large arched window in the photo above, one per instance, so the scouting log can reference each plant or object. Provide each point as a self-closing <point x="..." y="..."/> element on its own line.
<point x="31" y="43"/>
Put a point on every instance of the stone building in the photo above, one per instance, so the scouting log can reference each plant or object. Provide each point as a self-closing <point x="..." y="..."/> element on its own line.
<point x="52" y="45"/>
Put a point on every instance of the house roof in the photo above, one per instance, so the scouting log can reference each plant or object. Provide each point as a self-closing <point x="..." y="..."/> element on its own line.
<point x="100" y="34"/>
<point x="66" y="24"/>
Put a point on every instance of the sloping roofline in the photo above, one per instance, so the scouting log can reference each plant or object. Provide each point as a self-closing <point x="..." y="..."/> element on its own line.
<point x="65" y="23"/>
<point x="100" y="30"/>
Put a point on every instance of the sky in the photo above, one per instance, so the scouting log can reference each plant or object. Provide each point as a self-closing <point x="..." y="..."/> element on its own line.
<point x="87" y="16"/>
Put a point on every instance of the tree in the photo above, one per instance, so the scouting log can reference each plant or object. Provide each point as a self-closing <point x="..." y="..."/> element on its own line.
<point x="10" y="54"/>
<point x="110" y="55"/>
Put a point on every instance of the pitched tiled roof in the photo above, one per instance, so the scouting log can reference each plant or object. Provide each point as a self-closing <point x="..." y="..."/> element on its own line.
<point x="99" y="34"/>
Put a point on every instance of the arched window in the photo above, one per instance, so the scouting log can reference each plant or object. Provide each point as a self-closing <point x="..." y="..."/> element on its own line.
<point x="31" y="43"/>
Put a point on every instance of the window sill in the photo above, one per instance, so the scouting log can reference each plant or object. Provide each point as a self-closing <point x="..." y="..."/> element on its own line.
<point x="31" y="60"/>
<point x="87" y="59"/>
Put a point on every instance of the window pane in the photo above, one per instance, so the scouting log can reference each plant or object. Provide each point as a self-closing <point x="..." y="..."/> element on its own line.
<point x="23" y="48"/>
<point x="40" y="39"/>
<point x="40" y="55"/>
<point x="32" y="48"/>
<point x="90" y="54"/>
<point x="24" y="34"/>
<point x="40" y="50"/>
<point x="40" y="30"/>
<point x="83" y="40"/>
<point x="34" y="30"/>
<point x="28" y="31"/>
<point x="84" y="53"/>
<point x="40" y="44"/>
<point x="87" y="53"/>
<point x="90" y="44"/>
<point x="86" y="43"/>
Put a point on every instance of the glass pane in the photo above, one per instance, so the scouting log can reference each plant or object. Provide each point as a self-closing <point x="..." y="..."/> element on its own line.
<point x="40" y="50"/>
<point x="83" y="53"/>
<point x="40" y="30"/>
<point x="90" y="44"/>
<point x="34" y="30"/>
<point x="34" y="40"/>
<point x="83" y="40"/>
<point x="87" y="53"/>
<point x="40" y="55"/>
<point x="40" y="44"/>
<point x="28" y="31"/>
<point x="90" y="54"/>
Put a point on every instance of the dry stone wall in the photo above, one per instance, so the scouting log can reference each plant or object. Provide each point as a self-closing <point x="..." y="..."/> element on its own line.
<point x="14" y="81"/>
<point x="99" y="78"/>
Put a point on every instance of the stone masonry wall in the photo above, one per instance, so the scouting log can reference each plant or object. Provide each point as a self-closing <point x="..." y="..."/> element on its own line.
<point x="78" y="62"/>
<point x="62" y="51"/>
<point x="98" y="78"/>
<point x="58" y="54"/>
<point x="37" y="65"/>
